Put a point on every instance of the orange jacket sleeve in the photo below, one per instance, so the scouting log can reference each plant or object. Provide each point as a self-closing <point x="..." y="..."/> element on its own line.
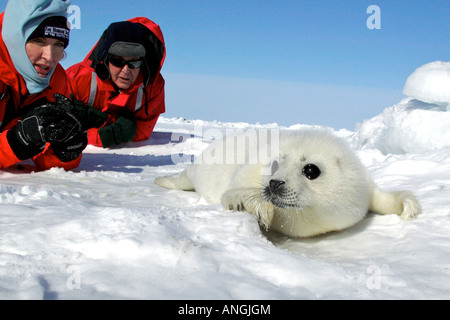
<point x="7" y="156"/>
<point x="47" y="159"/>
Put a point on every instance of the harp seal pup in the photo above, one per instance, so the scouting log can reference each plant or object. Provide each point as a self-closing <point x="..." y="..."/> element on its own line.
<point x="314" y="185"/>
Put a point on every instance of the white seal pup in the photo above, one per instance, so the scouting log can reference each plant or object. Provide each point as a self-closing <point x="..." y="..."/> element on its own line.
<point x="312" y="184"/>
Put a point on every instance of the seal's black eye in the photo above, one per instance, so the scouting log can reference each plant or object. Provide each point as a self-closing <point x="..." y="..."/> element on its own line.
<point x="311" y="171"/>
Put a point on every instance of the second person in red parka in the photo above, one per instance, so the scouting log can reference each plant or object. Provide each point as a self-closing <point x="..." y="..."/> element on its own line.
<point x="121" y="77"/>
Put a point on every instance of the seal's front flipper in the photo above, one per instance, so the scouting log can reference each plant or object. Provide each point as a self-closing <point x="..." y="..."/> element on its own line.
<point x="249" y="200"/>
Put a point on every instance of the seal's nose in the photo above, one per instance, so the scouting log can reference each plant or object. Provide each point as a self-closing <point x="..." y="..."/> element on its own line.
<point x="276" y="185"/>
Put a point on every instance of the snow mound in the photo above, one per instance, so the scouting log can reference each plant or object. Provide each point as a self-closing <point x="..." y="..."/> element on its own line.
<point x="417" y="124"/>
<point x="411" y="126"/>
<point x="430" y="83"/>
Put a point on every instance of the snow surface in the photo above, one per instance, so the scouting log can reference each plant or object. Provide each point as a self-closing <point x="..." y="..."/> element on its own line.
<point x="106" y="231"/>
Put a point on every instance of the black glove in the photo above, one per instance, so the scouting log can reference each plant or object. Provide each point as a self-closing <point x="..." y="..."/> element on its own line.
<point x="70" y="148"/>
<point x="123" y="130"/>
<point x="29" y="136"/>
<point x="88" y="116"/>
<point x="67" y="136"/>
<point x="47" y="123"/>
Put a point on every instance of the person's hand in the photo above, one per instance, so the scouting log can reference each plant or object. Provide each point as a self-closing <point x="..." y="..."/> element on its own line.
<point x="47" y="123"/>
<point x="123" y="130"/>
<point x="88" y="116"/>
<point x="71" y="147"/>
<point x="26" y="139"/>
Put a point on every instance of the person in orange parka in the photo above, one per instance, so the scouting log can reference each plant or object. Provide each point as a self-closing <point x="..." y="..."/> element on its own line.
<point x="121" y="77"/>
<point x="33" y="125"/>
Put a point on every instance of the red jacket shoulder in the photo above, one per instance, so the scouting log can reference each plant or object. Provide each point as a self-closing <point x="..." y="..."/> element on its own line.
<point x="79" y="77"/>
<point x="59" y="82"/>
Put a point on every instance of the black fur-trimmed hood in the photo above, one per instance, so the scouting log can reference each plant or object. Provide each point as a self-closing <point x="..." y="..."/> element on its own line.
<point x="137" y="30"/>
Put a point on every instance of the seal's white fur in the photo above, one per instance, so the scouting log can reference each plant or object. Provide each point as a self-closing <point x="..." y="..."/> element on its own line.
<point x="316" y="185"/>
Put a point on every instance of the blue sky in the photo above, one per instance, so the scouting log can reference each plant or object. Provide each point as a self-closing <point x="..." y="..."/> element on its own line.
<point x="289" y="62"/>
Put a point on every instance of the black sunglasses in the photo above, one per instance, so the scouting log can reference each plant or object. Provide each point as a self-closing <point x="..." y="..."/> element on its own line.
<point x="120" y="63"/>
